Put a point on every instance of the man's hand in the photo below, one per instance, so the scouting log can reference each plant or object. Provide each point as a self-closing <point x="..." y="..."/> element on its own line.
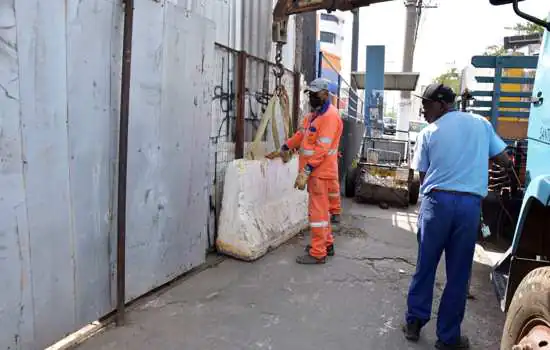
<point x="273" y="155"/>
<point x="284" y="153"/>
<point x="285" y="156"/>
<point x="301" y="180"/>
<point x="503" y="160"/>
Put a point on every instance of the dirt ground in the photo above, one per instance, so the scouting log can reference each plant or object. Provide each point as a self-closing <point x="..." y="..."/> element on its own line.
<point x="355" y="301"/>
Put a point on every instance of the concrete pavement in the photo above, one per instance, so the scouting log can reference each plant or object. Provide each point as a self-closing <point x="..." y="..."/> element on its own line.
<point x="355" y="301"/>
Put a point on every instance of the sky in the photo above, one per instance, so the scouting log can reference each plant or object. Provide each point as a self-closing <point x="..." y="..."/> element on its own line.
<point x="448" y="36"/>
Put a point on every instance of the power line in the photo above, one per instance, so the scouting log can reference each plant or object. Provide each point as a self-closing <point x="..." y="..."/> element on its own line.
<point x="422" y="4"/>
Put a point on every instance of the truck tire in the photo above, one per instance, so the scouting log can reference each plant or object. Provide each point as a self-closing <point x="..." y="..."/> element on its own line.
<point x="351" y="179"/>
<point x="414" y="190"/>
<point x="531" y="300"/>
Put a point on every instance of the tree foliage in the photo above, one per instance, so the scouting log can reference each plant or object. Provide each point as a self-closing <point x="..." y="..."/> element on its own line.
<point x="450" y="78"/>
<point x="524" y="28"/>
<point x="391" y="114"/>
<point x="527" y="28"/>
<point x="495" y="50"/>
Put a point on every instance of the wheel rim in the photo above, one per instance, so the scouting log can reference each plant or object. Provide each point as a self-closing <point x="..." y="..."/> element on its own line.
<point x="534" y="335"/>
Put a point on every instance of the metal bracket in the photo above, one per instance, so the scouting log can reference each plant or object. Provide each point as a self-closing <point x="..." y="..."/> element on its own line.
<point x="538" y="100"/>
<point x="279" y="32"/>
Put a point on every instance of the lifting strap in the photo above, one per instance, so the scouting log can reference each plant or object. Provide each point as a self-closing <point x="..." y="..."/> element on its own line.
<point x="255" y="151"/>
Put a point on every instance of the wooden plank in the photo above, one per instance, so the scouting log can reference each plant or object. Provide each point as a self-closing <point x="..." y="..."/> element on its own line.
<point x="42" y="58"/>
<point x="529" y="62"/>
<point x="502" y="104"/>
<point x="506" y="80"/>
<point x="487" y="113"/>
<point x="502" y="94"/>
<point x="512" y="130"/>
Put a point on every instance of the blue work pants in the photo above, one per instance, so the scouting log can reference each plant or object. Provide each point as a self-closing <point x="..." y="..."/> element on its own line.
<point x="447" y="222"/>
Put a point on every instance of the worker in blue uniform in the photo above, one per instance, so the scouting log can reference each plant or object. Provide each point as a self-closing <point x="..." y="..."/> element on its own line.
<point x="451" y="155"/>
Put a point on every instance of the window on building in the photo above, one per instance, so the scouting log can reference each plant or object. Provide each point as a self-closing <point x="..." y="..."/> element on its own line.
<point x="330" y="18"/>
<point x="328" y="37"/>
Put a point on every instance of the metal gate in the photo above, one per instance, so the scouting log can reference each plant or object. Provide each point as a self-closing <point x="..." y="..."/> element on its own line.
<point x="239" y="100"/>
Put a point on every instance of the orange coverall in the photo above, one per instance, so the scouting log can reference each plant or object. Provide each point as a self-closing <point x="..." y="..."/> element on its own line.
<point x="318" y="140"/>
<point x="335" y="206"/>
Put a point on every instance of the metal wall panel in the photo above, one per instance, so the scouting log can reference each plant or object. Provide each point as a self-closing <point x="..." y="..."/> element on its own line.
<point x="59" y="98"/>
<point x="43" y="98"/>
<point x="16" y="310"/>
<point x="168" y="145"/>
<point x="93" y="63"/>
<point x="56" y="177"/>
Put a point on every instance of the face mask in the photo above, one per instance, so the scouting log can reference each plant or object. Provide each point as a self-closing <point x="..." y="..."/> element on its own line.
<point x="315" y="101"/>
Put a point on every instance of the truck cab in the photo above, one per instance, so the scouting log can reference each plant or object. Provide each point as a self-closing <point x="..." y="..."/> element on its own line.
<point x="524" y="271"/>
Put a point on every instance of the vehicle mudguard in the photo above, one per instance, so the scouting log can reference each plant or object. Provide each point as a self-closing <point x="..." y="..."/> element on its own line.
<point x="539" y="189"/>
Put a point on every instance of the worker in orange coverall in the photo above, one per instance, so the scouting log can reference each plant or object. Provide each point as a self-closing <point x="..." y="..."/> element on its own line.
<point x="318" y="140"/>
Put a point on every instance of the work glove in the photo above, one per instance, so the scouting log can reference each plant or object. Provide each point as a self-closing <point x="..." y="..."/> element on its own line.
<point x="301" y="179"/>
<point x="285" y="156"/>
<point x="284" y="153"/>
<point x="273" y="155"/>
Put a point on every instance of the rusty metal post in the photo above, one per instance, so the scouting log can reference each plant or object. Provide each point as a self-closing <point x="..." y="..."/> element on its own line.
<point x="296" y="101"/>
<point x="241" y="90"/>
<point x="123" y="161"/>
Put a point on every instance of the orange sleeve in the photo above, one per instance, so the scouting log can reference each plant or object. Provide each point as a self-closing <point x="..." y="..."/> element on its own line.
<point x="296" y="139"/>
<point x="327" y="131"/>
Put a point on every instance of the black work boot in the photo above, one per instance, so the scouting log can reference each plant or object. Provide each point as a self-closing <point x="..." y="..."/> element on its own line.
<point x="310" y="260"/>
<point x="335" y="219"/>
<point x="330" y="249"/>
<point x="462" y="343"/>
<point x="412" y="330"/>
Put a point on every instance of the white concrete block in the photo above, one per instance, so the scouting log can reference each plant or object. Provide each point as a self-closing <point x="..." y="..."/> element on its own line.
<point x="260" y="207"/>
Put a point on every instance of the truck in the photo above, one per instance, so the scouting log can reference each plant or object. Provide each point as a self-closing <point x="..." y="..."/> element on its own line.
<point x="522" y="276"/>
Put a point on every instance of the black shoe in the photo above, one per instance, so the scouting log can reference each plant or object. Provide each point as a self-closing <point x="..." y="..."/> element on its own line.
<point x="463" y="343"/>
<point x="330" y="249"/>
<point x="412" y="330"/>
<point x="310" y="260"/>
<point x="335" y="219"/>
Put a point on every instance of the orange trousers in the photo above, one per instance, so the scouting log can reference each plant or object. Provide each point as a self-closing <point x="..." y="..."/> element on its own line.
<point x="319" y="217"/>
<point x="335" y="206"/>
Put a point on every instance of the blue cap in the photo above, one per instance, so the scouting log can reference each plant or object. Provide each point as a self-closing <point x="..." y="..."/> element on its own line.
<point x="317" y="85"/>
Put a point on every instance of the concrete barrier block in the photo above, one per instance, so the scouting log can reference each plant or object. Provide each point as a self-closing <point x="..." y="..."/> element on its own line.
<point x="260" y="207"/>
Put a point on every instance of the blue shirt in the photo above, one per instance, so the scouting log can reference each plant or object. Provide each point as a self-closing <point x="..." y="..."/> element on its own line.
<point x="454" y="153"/>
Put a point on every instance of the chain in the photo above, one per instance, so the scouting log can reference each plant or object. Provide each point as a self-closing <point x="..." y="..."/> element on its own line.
<point x="279" y="69"/>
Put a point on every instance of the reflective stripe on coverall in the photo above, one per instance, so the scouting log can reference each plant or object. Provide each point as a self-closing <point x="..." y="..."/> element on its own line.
<point x="335" y="206"/>
<point x="318" y="140"/>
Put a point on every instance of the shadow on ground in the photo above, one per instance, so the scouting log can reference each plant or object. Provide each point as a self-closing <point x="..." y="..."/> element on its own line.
<point x="356" y="301"/>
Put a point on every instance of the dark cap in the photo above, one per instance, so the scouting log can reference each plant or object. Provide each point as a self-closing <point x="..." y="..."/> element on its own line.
<point x="438" y="93"/>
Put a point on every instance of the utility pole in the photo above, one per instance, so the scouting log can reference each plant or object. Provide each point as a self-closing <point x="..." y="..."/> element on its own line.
<point x="413" y="15"/>
<point x="354" y="108"/>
